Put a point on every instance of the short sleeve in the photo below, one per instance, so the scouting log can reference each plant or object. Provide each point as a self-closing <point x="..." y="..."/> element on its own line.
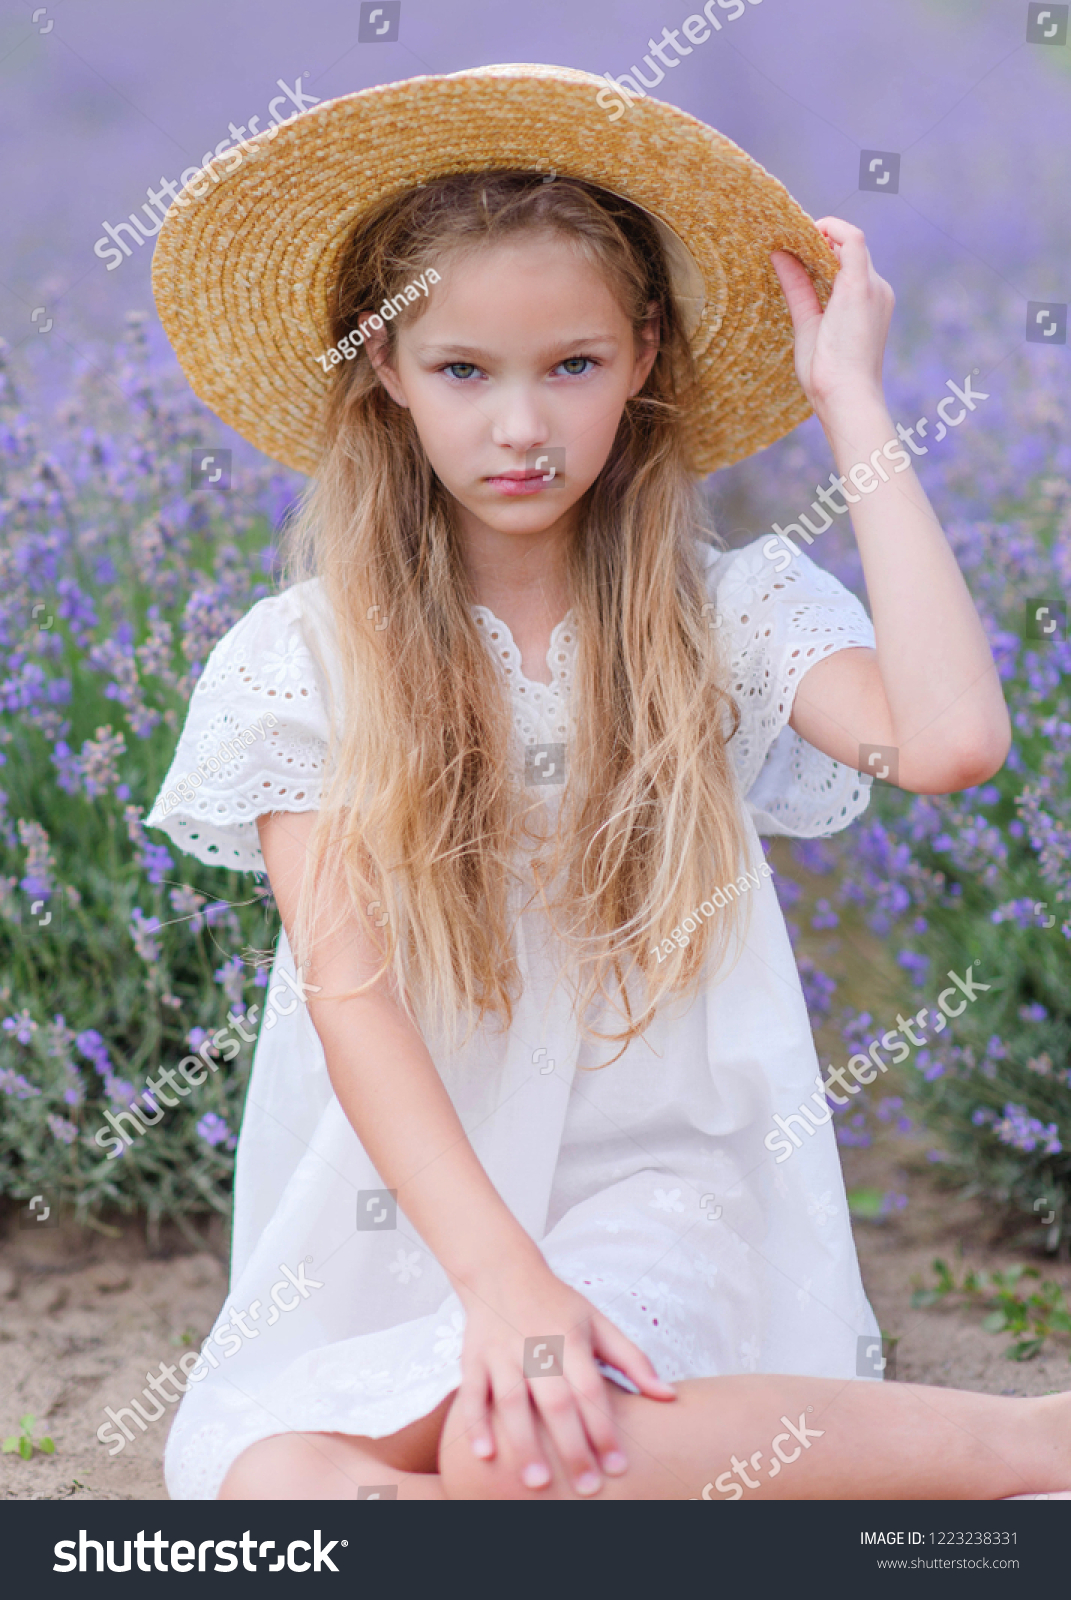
<point x="255" y="739"/>
<point x="778" y="620"/>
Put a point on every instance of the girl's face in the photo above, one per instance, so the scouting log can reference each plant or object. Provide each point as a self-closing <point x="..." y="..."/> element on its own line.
<point x="523" y="353"/>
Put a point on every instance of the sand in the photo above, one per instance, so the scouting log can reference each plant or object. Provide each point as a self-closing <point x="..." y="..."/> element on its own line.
<point x="84" y="1318"/>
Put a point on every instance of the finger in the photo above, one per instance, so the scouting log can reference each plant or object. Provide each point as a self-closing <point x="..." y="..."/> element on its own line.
<point x="839" y="231"/>
<point x="515" y="1422"/>
<point x="473" y="1411"/>
<point x="803" y="302"/>
<point x="590" y="1390"/>
<point x="610" y="1343"/>
<point x="557" y="1405"/>
<point x="848" y="244"/>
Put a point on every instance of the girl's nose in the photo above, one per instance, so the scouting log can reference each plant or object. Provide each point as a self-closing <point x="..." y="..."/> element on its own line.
<point x="518" y="422"/>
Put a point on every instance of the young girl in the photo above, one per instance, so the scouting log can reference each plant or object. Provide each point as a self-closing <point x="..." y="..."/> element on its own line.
<point x="507" y="1220"/>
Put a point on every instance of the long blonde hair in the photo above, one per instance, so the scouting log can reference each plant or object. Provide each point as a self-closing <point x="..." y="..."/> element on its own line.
<point x="424" y="810"/>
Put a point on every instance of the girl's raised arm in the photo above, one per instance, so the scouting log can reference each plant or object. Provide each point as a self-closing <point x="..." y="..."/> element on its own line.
<point x="929" y="697"/>
<point x="387" y="1084"/>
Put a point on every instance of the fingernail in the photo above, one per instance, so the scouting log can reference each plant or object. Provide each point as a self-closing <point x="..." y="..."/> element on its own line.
<point x="588" y="1483"/>
<point x="614" y="1462"/>
<point x="535" y="1475"/>
<point x="482" y="1447"/>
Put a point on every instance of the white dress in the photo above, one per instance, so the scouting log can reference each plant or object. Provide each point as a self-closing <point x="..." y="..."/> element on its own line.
<point x="648" y="1184"/>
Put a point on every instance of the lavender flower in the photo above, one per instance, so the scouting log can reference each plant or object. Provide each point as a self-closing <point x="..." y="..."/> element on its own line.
<point x="231" y="978"/>
<point x="142" y="929"/>
<point x="214" y="1130"/>
<point x="1024" y="1132"/>
<point x="23" y="1026"/>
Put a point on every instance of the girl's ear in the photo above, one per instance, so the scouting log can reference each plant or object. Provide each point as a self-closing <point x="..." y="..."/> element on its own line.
<point x="649" y="343"/>
<point x="376" y="344"/>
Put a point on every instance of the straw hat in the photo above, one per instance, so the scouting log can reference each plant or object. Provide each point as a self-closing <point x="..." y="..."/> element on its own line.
<point x="242" y="272"/>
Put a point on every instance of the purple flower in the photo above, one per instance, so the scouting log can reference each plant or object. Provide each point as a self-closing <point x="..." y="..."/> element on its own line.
<point x="213" y="1130"/>
<point x="142" y="929"/>
<point x="815" y="855"/>
<point x="98" y="762"/>
<point x="23" y="1026"/>
<point x="187" y="903"/>
<point x="14" y="1083"/>
<point x="1024" y="1132"/>
<point x="818" y="989"/>
<point x="92" y="1046"/>
<point x="231" y="979"/>
<point x="918" y="965"/>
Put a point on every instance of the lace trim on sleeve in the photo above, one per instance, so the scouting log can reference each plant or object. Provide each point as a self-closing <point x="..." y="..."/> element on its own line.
<point x="777" y="624"/>
<point x="255" y="738"/>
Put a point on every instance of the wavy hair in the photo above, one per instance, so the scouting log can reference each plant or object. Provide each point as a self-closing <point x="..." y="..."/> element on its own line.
<point x="424" y="812"/>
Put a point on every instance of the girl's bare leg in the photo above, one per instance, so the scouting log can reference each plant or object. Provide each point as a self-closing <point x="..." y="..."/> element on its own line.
<point x="334" y="1466"/>
<point x="799" y="1438"/>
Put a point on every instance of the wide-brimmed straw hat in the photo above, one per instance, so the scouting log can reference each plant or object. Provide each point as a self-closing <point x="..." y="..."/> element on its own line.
<point x="246" y="258"/>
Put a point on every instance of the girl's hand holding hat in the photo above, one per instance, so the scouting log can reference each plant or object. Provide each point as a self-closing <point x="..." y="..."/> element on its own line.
<point x="839" y="350"/>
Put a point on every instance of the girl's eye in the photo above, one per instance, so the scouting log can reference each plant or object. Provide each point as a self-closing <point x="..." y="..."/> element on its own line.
<point x="461" y="370"/>
<point x="576" y="366"/>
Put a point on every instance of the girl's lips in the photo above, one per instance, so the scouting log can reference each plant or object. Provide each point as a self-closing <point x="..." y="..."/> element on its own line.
<point x="531" y="483"/>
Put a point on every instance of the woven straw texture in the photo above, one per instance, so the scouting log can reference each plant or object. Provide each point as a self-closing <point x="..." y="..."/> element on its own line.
<point x="242" y="274"/>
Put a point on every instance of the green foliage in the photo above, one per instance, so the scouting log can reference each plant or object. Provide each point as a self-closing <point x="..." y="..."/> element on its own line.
<point x="118" y="953"/>
<point x="23" y="1442"/>
<point x="1032" y="1317"/>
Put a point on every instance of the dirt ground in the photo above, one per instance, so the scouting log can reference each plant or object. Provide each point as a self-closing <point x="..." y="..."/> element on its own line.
<point x="83" y="1318"/>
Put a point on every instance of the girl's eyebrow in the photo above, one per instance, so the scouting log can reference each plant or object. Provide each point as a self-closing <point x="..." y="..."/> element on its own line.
<point x="472" y="353"/>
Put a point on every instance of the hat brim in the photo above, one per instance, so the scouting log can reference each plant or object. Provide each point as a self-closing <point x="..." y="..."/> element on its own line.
<point x="242" y="272"/>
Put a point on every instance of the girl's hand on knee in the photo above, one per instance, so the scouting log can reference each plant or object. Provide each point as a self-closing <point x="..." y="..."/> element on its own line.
<point x="530" y="1350"/>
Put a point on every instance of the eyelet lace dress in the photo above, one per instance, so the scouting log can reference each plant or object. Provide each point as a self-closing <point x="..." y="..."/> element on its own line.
<point x="647" y="1184"/>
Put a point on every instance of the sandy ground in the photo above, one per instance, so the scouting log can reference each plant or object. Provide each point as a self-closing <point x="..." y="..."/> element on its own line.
<point x="83" y="1318"/>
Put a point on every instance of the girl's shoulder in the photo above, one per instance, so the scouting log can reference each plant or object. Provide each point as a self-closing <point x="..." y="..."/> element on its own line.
<point x="776" y="615"/>
<point x="293" y="626"/>
<point x="767" y="572"/>
<point x="257" y="732"/>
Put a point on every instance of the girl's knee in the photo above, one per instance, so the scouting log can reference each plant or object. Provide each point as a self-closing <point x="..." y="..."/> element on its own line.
<point x="465" y="1477"/>
<point x="281" y="1467"/>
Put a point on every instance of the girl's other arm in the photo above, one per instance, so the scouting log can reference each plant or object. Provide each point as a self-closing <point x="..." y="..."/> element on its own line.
<point x="387" y="1084"/>
<point x="930" y="690"/>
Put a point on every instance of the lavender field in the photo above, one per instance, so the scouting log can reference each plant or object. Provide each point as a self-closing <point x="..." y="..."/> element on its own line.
<point x="117" y="577"/>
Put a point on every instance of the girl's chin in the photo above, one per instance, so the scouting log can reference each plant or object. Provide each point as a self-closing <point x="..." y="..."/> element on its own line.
<point x="513" y="513"/>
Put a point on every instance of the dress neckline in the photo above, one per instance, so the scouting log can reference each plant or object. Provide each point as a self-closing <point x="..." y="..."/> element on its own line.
<point x="561" y="651"/>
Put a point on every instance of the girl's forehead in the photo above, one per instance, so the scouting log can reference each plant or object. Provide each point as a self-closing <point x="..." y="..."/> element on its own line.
<point x="540" y="266"/>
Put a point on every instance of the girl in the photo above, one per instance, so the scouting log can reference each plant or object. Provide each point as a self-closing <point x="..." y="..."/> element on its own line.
<point x="507" y="1220"/>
